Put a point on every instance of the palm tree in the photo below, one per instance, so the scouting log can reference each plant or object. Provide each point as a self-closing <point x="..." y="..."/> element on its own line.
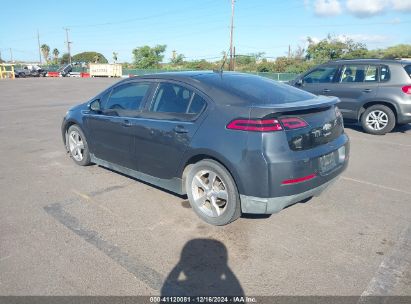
<point x="56" y="54"/>
<point x="45" y="50"/>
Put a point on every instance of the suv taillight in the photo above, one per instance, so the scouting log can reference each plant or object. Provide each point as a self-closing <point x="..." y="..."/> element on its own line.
<point x="407" y="89"/>
<point x="267" y="125"/>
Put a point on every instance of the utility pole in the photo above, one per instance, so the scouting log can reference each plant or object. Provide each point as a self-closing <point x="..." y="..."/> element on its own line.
<point x="289" y="51"/>
<point x="11" y="55"/>
<point x="68" y="43"/>
<point x="231" y="65"/>
<point x="38" y="42"/>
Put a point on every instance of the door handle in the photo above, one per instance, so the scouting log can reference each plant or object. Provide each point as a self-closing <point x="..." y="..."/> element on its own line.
<point x="180" y="129"/>
<point x="326" y="91"/>
<point x="126" y="123"/>
<point x="367" y="90"/>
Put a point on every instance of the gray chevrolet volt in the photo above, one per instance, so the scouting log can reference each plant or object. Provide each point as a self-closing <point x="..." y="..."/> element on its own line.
<point x="233" y="143"/>
<point x="374" y="92"/>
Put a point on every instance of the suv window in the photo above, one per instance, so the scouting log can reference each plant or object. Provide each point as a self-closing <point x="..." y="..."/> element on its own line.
<point x="371" y="74"/>
<point x="359" y="73"/>
<point x="127" y="97"/>
<point x="321" y="75"/>
<point x="171" y="98"/>
<point x="408" y="69"/>
<point x="385" y="73"/>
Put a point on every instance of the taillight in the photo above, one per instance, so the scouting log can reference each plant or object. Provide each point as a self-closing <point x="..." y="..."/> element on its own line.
<point x="291" y="123"/>
<point x="263" y="125"/>
<point x="407" y="89"/>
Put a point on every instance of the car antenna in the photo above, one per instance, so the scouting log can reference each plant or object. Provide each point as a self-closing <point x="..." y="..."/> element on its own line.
<point x="221" y="70"/>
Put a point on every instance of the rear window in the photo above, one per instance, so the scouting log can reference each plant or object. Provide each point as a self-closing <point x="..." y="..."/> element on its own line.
<point x="407" y="68"/>
<point x="264" y="90"/>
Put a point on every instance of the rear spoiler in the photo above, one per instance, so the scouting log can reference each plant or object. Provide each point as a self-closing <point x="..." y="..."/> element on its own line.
<point x="318" y="102"/>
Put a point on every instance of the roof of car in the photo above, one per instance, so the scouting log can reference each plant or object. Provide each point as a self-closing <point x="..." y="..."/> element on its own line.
<point x="201" y="78"/>
<point x="373" y="60"/>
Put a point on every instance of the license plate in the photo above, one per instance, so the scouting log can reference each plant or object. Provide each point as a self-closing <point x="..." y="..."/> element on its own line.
<point x="327" y="162"/>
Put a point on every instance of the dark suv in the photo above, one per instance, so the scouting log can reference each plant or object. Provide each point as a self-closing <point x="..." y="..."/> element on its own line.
<point x="375" y="92"/>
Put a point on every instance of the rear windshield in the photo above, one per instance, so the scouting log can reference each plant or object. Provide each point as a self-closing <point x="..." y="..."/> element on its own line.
<point x="261" y="90"/>
<point x="408" y="69"/>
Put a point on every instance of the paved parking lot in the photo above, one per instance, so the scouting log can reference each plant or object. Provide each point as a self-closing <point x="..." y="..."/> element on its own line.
<point x="70" y="230"/>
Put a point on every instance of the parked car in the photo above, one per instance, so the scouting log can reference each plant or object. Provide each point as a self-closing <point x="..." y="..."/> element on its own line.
<point x="374" y="92"/>
<point x="234" y="143"/>
<point x="30" y="71"/>
<point x="65" y="70"/>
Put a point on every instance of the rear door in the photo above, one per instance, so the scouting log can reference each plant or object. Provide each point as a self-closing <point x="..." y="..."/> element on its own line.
<point x="111" y="129"/>
<point x="357" y="84"/>
<point x="165" y="129"/>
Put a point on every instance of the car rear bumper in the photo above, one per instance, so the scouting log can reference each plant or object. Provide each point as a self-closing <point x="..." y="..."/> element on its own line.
<point x="259" y="205"/>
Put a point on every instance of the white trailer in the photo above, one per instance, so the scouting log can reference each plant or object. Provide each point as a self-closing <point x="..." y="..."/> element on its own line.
<point x="105" y="70"/>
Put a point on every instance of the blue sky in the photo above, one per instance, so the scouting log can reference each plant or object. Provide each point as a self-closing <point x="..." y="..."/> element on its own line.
<point x="197" y="29"/>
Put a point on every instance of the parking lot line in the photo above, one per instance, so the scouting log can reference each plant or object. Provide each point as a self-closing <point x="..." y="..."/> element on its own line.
<point x="89" y="199"/>
<point x="392" y="268"/>
<point x="375" y="185"/>
<point x="133" y="265"/>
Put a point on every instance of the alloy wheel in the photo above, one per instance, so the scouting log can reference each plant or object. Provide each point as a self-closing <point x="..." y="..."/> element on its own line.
<point x="209" y="193"/>
<point x="76" y="145"/>
<point x="377" y="120"/>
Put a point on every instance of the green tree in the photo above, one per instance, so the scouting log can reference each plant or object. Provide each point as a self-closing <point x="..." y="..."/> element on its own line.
<point x="199" y="65"/>
<point x="146" y="57"/>
<point x="177" y="59"/>
<point x="398" y="51"/>
<point x="332" y="48"/>
<point x="56" y="54"/>
<point x="89" y="57"/>
<point x="65" y="59"/>
<point x="45" y="51"/>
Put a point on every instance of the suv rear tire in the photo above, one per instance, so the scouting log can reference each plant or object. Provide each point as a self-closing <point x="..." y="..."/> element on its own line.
<point x="212" y="193"/>
<point x="378" y="120"/>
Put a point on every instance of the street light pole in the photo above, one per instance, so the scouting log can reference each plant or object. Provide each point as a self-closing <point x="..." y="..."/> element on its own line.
<point x="231" y="65"/>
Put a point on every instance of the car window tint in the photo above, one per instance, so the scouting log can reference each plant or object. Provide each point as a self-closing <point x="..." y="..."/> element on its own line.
<point x="197" y="105"/>
<point x="321" y="75"/>
<point x="171" y="98"/>
<point x="354" y="73"/>
<point x="371" y="74"/>
<point x="408" y="69"/>
<point x="127" y="97"/>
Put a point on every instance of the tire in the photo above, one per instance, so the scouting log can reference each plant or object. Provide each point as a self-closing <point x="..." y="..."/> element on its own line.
<point x="378" y="120"/>
<point x="217" y="204"/>
<point x="77" y="146"/>
<point x="22" y="75"/>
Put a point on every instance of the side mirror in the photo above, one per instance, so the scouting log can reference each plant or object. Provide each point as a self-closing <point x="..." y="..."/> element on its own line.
<point x="299" y="82"/>
<point x="95" y="105"/>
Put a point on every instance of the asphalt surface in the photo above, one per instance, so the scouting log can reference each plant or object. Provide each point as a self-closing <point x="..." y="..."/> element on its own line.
<point x="71" y="230"/>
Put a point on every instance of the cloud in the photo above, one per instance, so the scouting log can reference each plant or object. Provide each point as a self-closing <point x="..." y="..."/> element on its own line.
<point x="327" y="8"/>
<point x="366" y="8"/>
<point x="402" y="5"/>
<point x="364" y="38"/>
<point x="357" y="8"/>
